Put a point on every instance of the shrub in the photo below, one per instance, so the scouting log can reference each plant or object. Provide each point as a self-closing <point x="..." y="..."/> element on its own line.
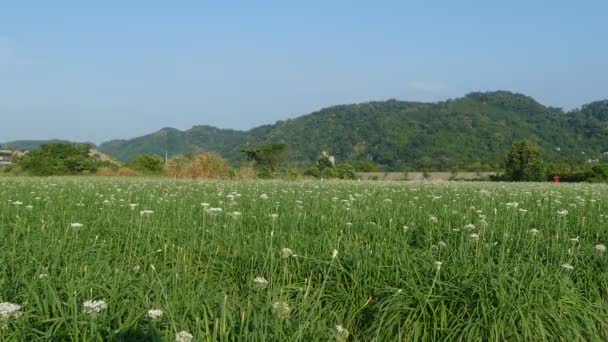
<point x="203" y="165"/>
<point x="245" y="173"/>
<point x="345" y="171"/>
<point x="148" y="164"/>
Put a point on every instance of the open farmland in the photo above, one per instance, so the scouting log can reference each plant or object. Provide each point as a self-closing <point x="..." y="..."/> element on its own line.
<point x="108" y="259"/>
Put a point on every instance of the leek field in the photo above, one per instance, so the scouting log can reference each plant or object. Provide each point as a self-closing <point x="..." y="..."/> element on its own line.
<point x="145" y="259"/>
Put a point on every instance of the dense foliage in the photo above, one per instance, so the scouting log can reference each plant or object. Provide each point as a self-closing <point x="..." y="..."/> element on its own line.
<point x="524" y="162"/>
<point x="266" y="158"/>
<point x="53" y="159"/>
<point x="474" y="132"/>
<point x="150" y="164"/>
<point x="92" y="259"/>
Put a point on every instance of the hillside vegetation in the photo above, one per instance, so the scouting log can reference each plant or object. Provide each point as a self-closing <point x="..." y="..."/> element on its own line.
<point x="473" y="132"/>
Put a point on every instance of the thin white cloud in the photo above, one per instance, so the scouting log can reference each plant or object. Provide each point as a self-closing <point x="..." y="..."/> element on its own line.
<point x="428" y="86"/>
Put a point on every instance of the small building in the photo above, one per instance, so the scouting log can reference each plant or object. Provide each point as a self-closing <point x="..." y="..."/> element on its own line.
<point x="6" y="157"/>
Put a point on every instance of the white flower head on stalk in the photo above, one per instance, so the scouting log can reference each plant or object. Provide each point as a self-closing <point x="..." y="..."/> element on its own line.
<point x="341" y="333"/>
<point x="281" y="309"/>
<point x="9" y="310"/>
<point x="274" y="216"/>
<point x="474" y="236"/>
<point x="438" y="265"/>
<point x="183" y="336"/>
<point x="260" y="282"/>
<point x="334" y="254"/>
<point x="214" y="210"/>
<point x="286" y="253"/>
<point x="469" y="226"/>
<point x="567" y="267"/>
<point x="93" y="307"/>
<point x="76" y="225"/>
<point x="563" y="212"/>
<point x="534" y="231"/>
<point x="146" y="212"/>
<point x="154" y="313"/>
<point x="433" y="220"/>
<point x="600" y="248"/>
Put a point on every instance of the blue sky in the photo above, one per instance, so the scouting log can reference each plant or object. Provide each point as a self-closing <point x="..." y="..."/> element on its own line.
<point x="119" y="69"/>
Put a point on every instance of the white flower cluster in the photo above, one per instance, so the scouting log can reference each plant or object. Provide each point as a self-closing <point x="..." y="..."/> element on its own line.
<point x="281" y="309"/>
<point x="155" y="313"/>
<point x="92" y="307"/>
<point x="8" y="310"/>
<point x="183" y="336"/>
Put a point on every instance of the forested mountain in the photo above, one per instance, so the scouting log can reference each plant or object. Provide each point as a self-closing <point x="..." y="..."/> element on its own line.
<point x="474" y="131"/>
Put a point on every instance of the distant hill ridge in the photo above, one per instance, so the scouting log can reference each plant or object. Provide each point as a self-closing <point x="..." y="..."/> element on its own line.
<point x="473" y="131"/>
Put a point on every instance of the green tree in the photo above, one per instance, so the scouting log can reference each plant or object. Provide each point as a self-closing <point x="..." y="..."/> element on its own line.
<point x="59" y="159"/>
<point x="148" y="163"/>
<point x="524" y="163"/>
<point x="266" y="158"/>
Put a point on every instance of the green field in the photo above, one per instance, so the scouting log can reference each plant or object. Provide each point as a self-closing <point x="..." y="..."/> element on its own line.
<point x="369" y="261"/>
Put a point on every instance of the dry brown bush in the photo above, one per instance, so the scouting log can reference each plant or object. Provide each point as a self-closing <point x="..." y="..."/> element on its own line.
<point x="105" y="171"/>
<point x="245" y="173"/>
<point x="121" y="171"/>
<point x="125" y="171"/>
<point x="205" y="165"/>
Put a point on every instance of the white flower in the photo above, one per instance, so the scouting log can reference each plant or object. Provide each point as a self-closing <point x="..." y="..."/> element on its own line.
<point x="183" y="336"/>
<point x="264" y="196"/>
<point x="8" y="310"/>
<point x="433" y="219"/>
<point x="205" y="204"/>
<point x="438" y="265"/>
<point x="563" y="212"/>
<point x="94" y="306"/>
<point x="274" y="216"/>
<point x="76" y="225"/>
<point x="474" y="236"/>
<point x="341" y="333"/>
<point x="213" y="210"/>
<point x="133" y="205"/>
<point x="442" y="244"/>
<point x="534" y="231"/>
<point x="281" y="309"/>
<point x="260" y="282"/>
<point x="146" y="212"/>
<point x="574" y="239"/>
<point x="600" y="248"/>
<point x="17" y="203"/>
<point x="155" y="313"/>
<point x="334" y="254"/>
<point x="286" y="253"/>
<point x="29" y="207"/>
<point x="136" y="268"/>
<point x="43" y="275"/>
<point x="469" y="226"/>
<point x="567" y="267"/>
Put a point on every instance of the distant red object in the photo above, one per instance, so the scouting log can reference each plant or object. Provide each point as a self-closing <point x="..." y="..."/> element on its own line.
<point x="556" y="179"/>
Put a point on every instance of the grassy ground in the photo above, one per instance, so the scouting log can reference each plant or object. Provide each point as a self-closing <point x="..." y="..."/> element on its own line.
<point x="369" y="261"/>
